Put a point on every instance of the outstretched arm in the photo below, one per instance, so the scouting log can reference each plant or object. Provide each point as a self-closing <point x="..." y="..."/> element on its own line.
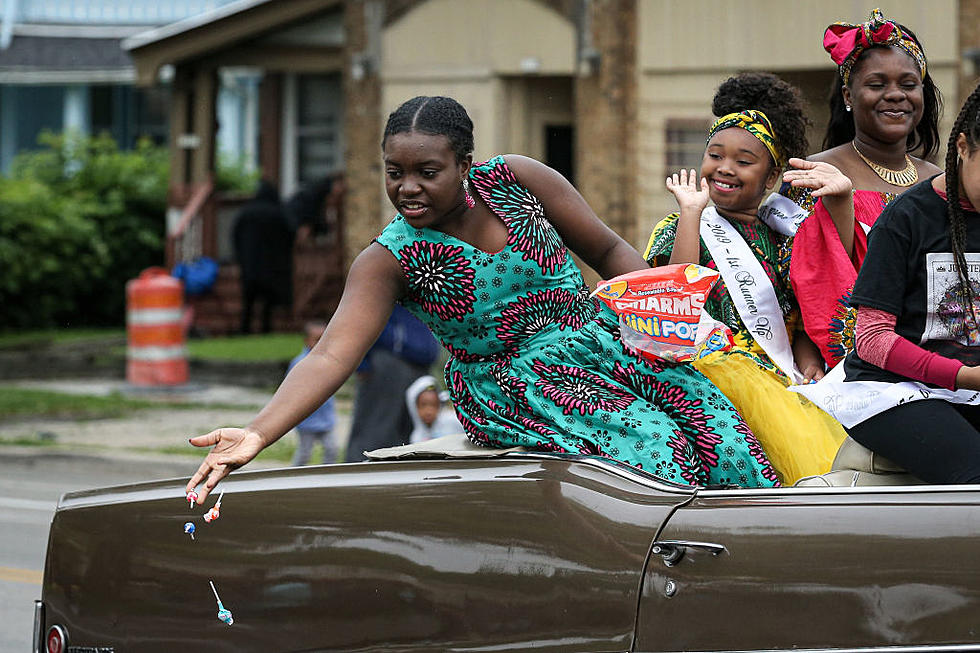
<point x="374" y="282"/>
<point x="584" y="233"/>
<point x="836" y="190"/>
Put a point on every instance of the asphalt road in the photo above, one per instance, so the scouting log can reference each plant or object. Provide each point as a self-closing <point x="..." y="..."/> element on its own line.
<point x="30" y="484"/>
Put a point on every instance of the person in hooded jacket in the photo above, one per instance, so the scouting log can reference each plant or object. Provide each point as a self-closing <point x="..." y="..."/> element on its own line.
<point x="430" y="417"/>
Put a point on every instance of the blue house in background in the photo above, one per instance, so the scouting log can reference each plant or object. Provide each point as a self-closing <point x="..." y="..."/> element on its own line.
<point x="62" y="68"/>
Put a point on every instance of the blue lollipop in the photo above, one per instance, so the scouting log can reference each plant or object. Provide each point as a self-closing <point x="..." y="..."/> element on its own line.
<point x="189" y="528"/>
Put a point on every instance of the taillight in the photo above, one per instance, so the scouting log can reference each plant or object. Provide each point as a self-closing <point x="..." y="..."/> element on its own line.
<point x="57" y="640"/>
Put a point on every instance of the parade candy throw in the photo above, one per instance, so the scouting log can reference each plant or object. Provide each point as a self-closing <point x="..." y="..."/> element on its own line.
<point x="224" y="614"/>
<point x="660" y="312"/>
<point x="215" y="511"/>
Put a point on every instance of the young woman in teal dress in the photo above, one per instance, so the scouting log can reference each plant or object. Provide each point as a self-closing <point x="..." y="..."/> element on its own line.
<point x="481" y="254"/>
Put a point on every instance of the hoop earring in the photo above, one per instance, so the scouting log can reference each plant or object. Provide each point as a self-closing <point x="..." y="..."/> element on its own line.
<point x="470" y="202"/>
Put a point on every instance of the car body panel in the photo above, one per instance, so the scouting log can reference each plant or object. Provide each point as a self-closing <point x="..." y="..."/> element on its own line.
<point x="521" y="552"/>
<point x="805" y="568"/>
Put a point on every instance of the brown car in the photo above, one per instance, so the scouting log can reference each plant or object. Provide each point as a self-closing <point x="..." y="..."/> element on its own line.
<point x="512" y="552"/>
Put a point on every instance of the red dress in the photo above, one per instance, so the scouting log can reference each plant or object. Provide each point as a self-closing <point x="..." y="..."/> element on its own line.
<point x="822" y="275"/>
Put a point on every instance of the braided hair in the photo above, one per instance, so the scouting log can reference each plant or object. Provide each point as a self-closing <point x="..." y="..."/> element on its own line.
<point x="840" y="128"/>
<point x="439" y="116"/>
<point x="782" y="103"/>
<point x="968" y="124"/>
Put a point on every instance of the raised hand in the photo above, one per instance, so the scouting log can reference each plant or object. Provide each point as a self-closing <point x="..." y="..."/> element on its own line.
<point x="232" y="448"/>
<point x="823" y="178"/>
<point x="689" y="195"/>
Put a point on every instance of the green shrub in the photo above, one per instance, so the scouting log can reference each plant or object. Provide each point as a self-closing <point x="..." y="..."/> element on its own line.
<point x="235" y="176"/>
<point x="77" y="220"/>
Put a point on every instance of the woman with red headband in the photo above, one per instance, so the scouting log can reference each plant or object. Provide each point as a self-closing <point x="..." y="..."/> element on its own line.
<point x="883" y="107"/>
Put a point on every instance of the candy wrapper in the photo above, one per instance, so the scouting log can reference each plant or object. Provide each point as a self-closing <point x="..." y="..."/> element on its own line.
<point x="661" y="312"/>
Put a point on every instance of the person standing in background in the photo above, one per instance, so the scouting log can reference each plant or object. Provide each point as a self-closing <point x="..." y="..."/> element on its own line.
<point x="431" y="418"/>
<point x="404" y="351"/>
<point x="318" y="427"/>
<point x="263" y="249"/>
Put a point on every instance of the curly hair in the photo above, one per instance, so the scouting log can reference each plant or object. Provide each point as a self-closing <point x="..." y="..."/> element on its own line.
<point x="437" y="115"/>
<point x="840" y="127"/>
<point x="782" y="103"/>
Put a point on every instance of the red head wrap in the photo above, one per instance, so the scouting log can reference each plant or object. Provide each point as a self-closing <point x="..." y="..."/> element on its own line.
<point x="846" y="42"/>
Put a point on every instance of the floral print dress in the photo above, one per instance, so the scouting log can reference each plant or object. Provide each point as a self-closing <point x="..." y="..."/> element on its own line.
<point x="537" y="363"/>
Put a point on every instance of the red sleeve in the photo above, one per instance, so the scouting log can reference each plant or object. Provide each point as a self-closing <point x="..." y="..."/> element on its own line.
<point x="877" y="343"/>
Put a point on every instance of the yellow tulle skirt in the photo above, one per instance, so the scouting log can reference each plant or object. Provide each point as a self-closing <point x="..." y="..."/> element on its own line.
<point x="800" y="439"/>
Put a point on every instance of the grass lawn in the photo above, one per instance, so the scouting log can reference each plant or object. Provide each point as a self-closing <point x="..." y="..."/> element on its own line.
<point x="269" y="347"/>
<point x="254" y="348"/>
<point x="27" y="402"/>
<point x="12" y="339"/>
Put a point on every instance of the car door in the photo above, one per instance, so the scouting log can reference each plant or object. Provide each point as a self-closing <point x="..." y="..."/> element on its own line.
<point x="816" y="568"/>
<point x="529" y="552"/>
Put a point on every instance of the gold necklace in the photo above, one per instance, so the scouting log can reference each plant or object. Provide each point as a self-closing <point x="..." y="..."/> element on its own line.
<point x="904" y="177"/>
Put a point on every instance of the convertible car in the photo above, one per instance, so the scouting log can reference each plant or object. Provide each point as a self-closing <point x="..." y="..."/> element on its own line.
<point x="445" y="547"/>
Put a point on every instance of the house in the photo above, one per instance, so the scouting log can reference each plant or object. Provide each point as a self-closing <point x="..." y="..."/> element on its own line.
<point x="61" y="68"/>
<point x="613" y="93"/>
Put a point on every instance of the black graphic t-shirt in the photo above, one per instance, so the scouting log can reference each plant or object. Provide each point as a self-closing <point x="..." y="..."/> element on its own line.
<point x="909" y="271"/>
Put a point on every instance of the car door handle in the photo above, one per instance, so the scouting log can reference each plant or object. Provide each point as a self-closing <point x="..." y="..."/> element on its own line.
<point x="673" y="550"/>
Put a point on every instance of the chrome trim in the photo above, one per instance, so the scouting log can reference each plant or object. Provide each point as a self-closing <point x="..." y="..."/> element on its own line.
<point x="64" y="636"/>
<point x="38" y="626"/>
<point x="862" y="489"/>
<point x="931" y="648"/>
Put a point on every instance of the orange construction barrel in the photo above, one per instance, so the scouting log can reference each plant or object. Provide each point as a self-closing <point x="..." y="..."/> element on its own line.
<point x="156" y="353"/>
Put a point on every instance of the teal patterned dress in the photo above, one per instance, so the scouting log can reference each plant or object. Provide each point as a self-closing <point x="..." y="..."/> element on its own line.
<point x="537" y="363"/>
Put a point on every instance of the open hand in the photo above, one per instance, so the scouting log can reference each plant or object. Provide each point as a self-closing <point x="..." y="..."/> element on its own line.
<point x="232" y="448"/>
<point x="686" y="191"/>
<point x="821" y="177"/>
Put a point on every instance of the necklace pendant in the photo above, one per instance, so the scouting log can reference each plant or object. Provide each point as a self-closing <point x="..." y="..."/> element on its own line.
<point x="904" y="177"/>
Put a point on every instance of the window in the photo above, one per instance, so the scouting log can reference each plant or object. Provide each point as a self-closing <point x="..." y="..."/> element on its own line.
<point x="318" y="126"/>
<point x="685" y="140"/>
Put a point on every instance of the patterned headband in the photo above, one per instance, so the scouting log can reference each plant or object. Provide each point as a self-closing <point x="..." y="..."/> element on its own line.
<point x="756" y="123"/>
<point x="846" y="42"/>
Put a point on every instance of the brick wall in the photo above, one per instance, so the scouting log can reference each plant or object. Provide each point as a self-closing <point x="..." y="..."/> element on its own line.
<point x="969" y="36"/>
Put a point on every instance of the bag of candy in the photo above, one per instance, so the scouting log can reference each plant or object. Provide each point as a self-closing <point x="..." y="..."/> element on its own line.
<point x="661" y="312"/>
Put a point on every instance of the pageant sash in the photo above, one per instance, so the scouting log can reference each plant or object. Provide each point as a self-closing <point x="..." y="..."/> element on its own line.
<point x="852" y="402"/>
<point x="750" y="288"/>
<point x="781" y="214"/>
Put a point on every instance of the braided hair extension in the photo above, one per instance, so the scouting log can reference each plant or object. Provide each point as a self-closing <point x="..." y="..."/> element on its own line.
<point x="782" y="103"/>
<point x="436" y="115"/>
<point x="968" y="124"/>
<point x="840" y="127"/>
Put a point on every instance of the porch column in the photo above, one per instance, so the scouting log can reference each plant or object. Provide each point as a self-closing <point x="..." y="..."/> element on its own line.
<point x="605" y="113"/>
<point x="362" y="124"/>
<point x="205" y="124"/>
<point x="179" y="126"/>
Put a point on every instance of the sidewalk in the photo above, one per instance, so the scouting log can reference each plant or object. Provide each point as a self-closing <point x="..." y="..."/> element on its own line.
<point x="158" y="432"/>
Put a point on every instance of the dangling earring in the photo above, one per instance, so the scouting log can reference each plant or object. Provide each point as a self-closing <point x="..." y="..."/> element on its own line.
<point x="847" y="107"/>
<point x="470" y="202"/>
